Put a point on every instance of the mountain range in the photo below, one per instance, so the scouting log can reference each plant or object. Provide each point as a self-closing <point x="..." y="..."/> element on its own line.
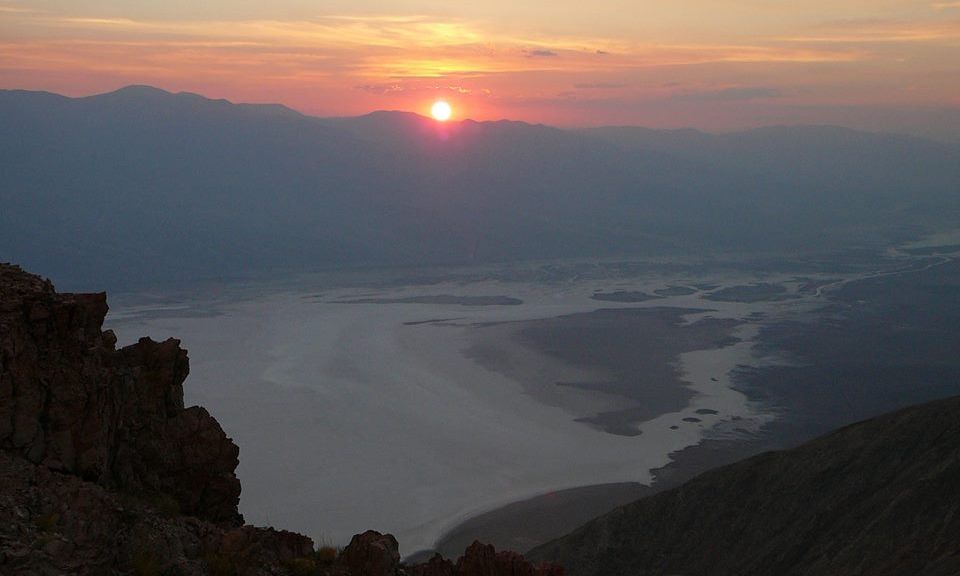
<point x="140" y="187"/>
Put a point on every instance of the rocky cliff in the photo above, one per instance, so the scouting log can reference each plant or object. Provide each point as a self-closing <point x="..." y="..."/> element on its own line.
<point x="104" y="471"/>
<point x="71" y="401"/>
<point x="877" y="498"/>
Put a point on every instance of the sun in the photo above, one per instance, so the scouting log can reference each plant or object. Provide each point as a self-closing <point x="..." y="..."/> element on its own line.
<point x="441" y="111"/>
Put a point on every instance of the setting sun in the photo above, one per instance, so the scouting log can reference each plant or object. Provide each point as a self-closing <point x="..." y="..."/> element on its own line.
<point x="441" y="111"/>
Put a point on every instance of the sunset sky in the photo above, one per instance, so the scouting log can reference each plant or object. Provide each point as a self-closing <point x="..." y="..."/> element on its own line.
<point x="715" y="65"/>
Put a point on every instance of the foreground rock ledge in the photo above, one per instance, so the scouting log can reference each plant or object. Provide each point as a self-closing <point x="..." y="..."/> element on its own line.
<point x="104" y="471"/>
<point x="72" y="402"/>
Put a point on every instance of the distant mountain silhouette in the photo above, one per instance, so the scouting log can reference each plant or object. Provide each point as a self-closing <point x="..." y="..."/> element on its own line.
<point x="144" y="186"/>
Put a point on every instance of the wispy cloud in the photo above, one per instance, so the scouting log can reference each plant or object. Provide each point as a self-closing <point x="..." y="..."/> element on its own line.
<point x="364" y="58"/>
<point x="599" y="85"/>
<point x="412" y="44"/>
<point x="415" y="86"/>
<point x="728" y="94"/>
<point x="880" y="32"/>
<point x="7" y="9"/>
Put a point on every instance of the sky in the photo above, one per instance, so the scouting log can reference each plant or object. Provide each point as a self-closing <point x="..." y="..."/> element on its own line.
<point x="710" y="64"/>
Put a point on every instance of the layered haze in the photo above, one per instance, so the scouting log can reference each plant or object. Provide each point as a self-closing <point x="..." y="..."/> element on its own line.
<point x="141" y="187"/>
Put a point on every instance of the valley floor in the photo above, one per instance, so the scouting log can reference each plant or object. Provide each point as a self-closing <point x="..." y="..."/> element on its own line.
<point x="417" y="404"/>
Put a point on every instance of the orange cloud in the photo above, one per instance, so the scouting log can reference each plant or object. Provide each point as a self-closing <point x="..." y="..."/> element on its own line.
<point x="872" y="32"/>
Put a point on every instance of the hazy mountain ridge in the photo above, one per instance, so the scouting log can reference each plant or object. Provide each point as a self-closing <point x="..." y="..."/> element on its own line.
<point x="144" y="186"/>
<point x="878" y="497"/>
<point x="837" y="160"/>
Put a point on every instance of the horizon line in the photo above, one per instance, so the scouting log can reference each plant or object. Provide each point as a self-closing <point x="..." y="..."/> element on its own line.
<point x="688" y="128"/>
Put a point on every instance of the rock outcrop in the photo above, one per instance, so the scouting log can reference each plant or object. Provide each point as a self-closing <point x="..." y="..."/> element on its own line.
<point x="376" y="554"/>
<point x="102" y="468"/>
<point x="72" y="402"/>
<point x="104" y="471"/>
<point x="372" y="554"/>
<point x="483" y="560"/>
<point x="55" y="523"/>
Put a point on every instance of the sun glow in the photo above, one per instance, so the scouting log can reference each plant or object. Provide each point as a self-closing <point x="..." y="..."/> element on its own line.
<point x="441" y="111"/>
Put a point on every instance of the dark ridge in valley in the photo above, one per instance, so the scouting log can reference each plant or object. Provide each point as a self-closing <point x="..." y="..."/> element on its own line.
<point x="764" y="292"/>
<point x="440" y="299"/>
<point x="644" y="376"/>
<point x="675" y="291"/>
<point x="623" y="296"/>
<point x="881" y="343"/>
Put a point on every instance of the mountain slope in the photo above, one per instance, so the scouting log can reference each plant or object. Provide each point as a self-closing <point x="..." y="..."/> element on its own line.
<point x="880" y="497"/>
<point x="145" y="186"/>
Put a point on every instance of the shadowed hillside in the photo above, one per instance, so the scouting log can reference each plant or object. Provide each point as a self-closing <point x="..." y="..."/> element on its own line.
<point x="879" y="498"/>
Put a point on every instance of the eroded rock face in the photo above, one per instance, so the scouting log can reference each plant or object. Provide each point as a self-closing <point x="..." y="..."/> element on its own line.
<point x="53" y="523"/>
<point x="72" y="402"/>
<point x="372" y="554"/>
<point x="437" y="565"/>
<point x="483" y="560"/>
